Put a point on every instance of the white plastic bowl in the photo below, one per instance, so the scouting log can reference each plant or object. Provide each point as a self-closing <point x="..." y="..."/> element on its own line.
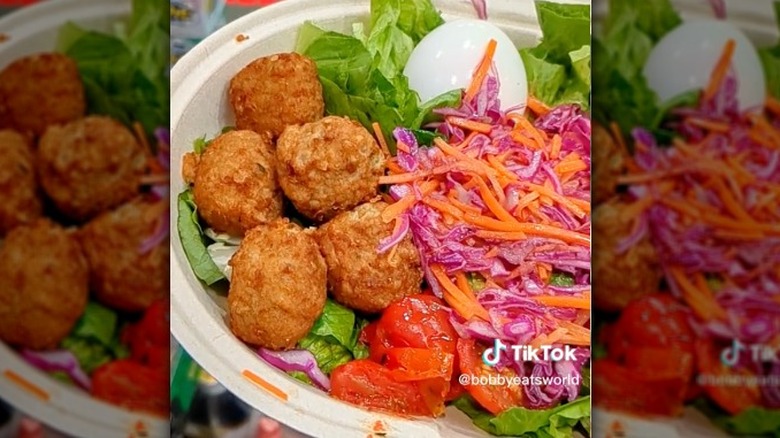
<point x="31" y="30"/>
<point x="200" y="106"/>
<point x="756" y="19"/>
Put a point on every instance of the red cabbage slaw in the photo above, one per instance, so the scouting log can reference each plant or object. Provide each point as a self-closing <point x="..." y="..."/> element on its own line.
<point x="510" y="266"/>
<point x="707" y="212"/>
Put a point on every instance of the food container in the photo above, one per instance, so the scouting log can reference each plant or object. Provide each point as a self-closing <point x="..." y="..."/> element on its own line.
<point x="26" y="31"/>
<point x="757" y="20"/>
<point x="198" y="314"/>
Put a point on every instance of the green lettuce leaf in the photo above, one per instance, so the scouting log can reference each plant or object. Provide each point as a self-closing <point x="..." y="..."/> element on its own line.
<point x="192" y="240"/>
<point x="754" y="421"/>
<point x="336" y="323"/>
<point x="362" y="74"/>
<point x="328" y="354"/>
<point x="770" y="58"/>
<point x="620" y="91"/>
<point x="94" y="339"/>
<point x="125" y="73"/>
<point x="557" y="422"/>
<point x="558" y="69"/>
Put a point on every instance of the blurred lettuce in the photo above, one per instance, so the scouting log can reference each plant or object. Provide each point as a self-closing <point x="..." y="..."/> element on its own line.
<point x="95" y="338"/>
<point x="125" y="73"/>
<point x="620" y="91"/>
<point x="770" y="58"/>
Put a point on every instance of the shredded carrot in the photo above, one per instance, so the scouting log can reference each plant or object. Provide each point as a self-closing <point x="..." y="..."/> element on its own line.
<point x="537" y="106"/>
<point x="393" y="167"/>
<point x="720" y="70"/>
<point x="401" y="146"/>
<point x="555" y="147"/>
<point x="570" y="166"/>
<point x="402" y="178"/>
<point x="491" y="202"/>
<point x="701" y="301"/>
<point x="523" y="140"/>
<point x="773" y="105"/>
<point x="406" y="202"/>
<point x="532" y="131"/>
<point x="563" y="301"/>
<point x="617" y="135"/>
<point x="471" y="125"/>
<point x="519" y="231"/>
<point x="469" y="304"/>
<point x="463" y="283"/>
<point x="466" y="208"/>
<point x="500" y="168"/>
<point x="381" y="139"/>
<point x="710" y="125"/>
<point x="560" y="199"/>
<point x="481" y="72"/>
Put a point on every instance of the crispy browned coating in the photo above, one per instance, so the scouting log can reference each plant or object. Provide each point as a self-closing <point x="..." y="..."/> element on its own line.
<point x="278" y="286"/>
<point x="89" y="166"/>
<point x="120" y="275"/>
<point x="19" y="201"/>
<point x="41" y="90"/>
<point x="608" y="164"/>
<point x="43" y="286"/>
<point x="275" y="91"/>
<point x="189" y="167"/>
<point x="620" y="278"/>
<point x="235" y="186"/>
<point x="358" y="276"/>
<point x="328" y="166"/>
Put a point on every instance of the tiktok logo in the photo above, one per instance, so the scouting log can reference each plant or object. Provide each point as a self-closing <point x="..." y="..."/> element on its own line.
<point x="491" y="356"/>
<point x="758" y="353"/>
<point x="730" y="356"/>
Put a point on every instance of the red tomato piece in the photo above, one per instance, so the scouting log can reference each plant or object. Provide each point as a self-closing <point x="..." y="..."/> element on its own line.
<point x="133" y="386"/>
<point x="494" y="398"/>
<point x="370" y="385"/>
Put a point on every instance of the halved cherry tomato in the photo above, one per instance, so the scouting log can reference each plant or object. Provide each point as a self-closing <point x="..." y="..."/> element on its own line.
<point x="655" y="320"/>
<point x="368" y="384"/>
<point x="149" y="338"/>
<point x="418" y="321"/>
<point x="497" y="398"/>
<point x="653" y="363"/>
<point x="132" y="385"/>
<point x="734" y="399"/>
<point x="619" y="388"/>
<point x="412" y="364"/>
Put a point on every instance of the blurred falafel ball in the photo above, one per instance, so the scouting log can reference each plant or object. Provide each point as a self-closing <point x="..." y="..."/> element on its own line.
<point x="278" y="286"/>
<point x="41" y="90"/>
<point x="90" y="165"/>
<point x="328" y="166"/>
<point x="21" y="203"/>
<point x="124" y="274"/>
<point x="359" y="277"/>
<point x="622" y="277"/>
<point x="234" y="182"/>
<point x="608" y="164"/>
<point x="276" y="91"/>
<point x="44" y="287"/>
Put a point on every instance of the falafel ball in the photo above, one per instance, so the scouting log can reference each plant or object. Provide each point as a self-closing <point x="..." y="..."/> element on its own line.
<point x="129" y="270"/>
<point x="235" y="186"/>
<point x="278" y="286"/>
<point x="44" y="286"/>
<point x="620" y="278"/>
<point x="358" y="276"/>
<point x="608" y="164"/>
<point x="41" y="90"/>
<point x="18" y="186"/>
<point x="276" y="91"/>
<point x="90" y="165"/>
<point x="328" y="166"/>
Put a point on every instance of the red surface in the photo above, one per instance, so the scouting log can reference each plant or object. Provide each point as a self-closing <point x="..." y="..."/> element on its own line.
<point x="15" y="3"/>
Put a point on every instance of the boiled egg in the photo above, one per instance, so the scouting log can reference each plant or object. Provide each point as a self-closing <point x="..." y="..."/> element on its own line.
<point x="684" y="59"/>
<point x="446" y="59"/>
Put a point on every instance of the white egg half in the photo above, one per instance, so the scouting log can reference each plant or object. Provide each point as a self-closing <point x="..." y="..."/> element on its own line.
<point x="683" y="60"/>
<point x="447" y="57"/>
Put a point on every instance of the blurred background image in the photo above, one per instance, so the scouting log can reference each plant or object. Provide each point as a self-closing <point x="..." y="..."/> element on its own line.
<point x="686" y="238"/>
<point x="84" y="337"/>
